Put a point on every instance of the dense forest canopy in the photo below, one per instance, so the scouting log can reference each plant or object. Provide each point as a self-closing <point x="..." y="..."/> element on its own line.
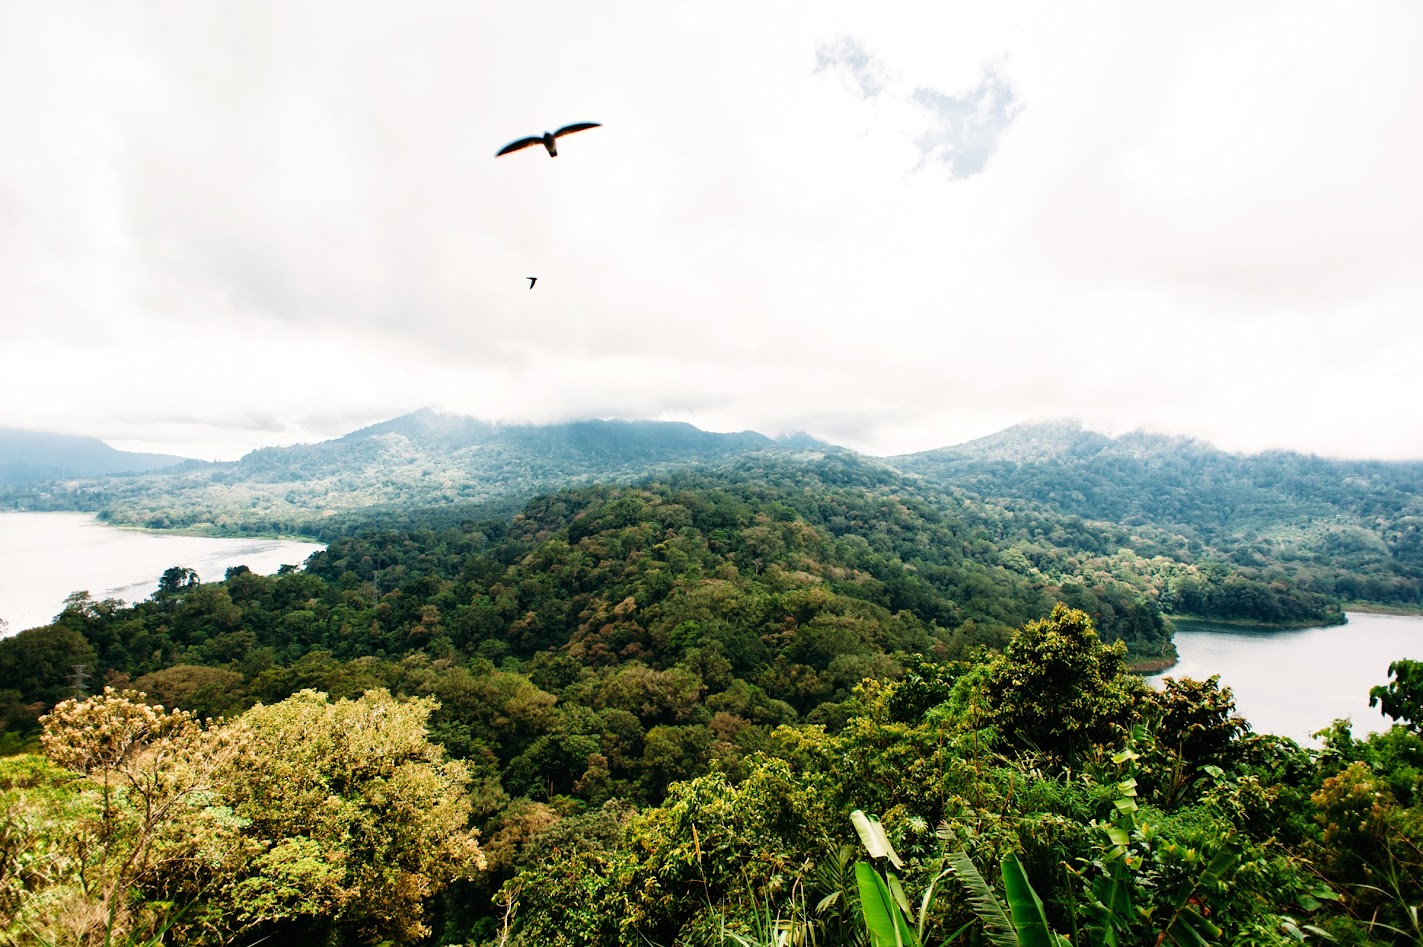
<point x="645" y="713"/>
<point x="1350" y="531"/>
<point x="1347" y="529"/>
<point x="619" y="807"/>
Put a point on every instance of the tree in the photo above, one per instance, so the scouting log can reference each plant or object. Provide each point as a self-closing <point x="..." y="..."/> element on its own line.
<point x="204" y="691"/>
<point x="1058" y="690"/>
<point x="1402" y="699"/>
<point x="156" y="821"/>
<point x="175" y="579"/>
<point x="362" y="817"/>
<point x="39" y="663"/>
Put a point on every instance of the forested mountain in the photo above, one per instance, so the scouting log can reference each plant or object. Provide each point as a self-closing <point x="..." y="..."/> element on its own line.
<point x="635" y="716"/>
<point x="645" y="712"/>
<point x="1351" y="529"/>
<point x="424" y="459"/>
<point x="1346" y="530"/>
<point x="36" y="456"/>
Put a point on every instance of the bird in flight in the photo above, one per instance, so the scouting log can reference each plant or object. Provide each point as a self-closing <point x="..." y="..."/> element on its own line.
<point x="532" y="280"/>
<point x="547" y="139"/>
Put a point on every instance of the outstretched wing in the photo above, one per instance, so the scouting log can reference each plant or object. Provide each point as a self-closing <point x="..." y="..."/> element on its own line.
<point x="516" y="145"/>
<point x="580" y="126"/>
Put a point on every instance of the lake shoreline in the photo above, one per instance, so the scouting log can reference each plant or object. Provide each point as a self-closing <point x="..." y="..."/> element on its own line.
<point x="215" y="533"/>
<point x="47" y="556"/>
<point x="1295" y="682"/>
<point x="1192" y="623"/>
<point x="1372" y="608"/>
<point x="1263" y="626"/>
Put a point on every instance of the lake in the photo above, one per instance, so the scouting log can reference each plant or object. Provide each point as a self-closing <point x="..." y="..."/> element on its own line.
<point x="1297" y="681"/>
<point x="46" y="556"/>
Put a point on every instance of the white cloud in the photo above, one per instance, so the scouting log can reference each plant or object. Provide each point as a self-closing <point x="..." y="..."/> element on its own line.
<point x="897" y="227"/>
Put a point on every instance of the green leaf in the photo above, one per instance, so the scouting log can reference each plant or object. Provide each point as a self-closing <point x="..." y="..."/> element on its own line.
<point x="883" y="919"/>
<point x="1029" y="918"/>
<point x="873" y="836"/>
<point x="928" y="899"/>
<point x="900" y="898"/>
<point x="984" y="901"/>
<point x="1189" y="929"/>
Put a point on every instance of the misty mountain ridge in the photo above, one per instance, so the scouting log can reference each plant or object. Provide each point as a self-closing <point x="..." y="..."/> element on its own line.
<point x="422" y="459"/>
<point x="430" y="458"/>
<point x="456" y="431"/>
<point x="430" y="435"/>
<point x="36" y="456"/>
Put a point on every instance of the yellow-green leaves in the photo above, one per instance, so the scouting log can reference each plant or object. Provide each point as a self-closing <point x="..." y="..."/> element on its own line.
<point x="365" y="815"/>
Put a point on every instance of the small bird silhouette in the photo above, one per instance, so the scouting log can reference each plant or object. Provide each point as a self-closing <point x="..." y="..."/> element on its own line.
<point x="532" y="280"/>
<point x="547" y="139"/>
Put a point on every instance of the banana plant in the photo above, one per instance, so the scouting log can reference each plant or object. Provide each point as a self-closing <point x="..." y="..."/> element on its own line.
<point x="891" y="920"/>
<point x="1022" y="922"/>
<point x="885" y="906"/>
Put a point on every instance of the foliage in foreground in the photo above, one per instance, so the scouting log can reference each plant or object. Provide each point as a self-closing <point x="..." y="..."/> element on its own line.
<point x="306" y="818"/>
<point x="659" y="706"/>
<point x="1177" y="825"/>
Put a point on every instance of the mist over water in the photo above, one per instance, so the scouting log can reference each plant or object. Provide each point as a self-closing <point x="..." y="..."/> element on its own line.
<point x="46" y="556"/>
<point x="1296" y="682"/>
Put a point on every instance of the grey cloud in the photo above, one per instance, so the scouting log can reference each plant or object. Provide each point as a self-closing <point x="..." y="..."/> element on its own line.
<point x="848" y="57"/>
<point x="966" y="127"/>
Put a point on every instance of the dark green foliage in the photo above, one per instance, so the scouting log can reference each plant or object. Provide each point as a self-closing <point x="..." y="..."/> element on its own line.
<point x="1349" y="530"/>
<point x="37" y="670"/>
<point x="1057" y="690"/>
<point x="1402" y="699"/>
<point x="1192" y="725"/>
<point x="670" y="696"/>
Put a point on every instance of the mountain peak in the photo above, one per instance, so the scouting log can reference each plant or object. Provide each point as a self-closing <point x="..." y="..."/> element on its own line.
<point x="1030" y="442"/>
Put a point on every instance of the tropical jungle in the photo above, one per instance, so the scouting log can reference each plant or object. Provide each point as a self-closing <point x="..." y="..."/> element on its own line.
<point x="790" y="697"/>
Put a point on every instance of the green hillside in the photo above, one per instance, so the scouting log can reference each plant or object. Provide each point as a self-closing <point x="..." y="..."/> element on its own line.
<point x="424" y="459"/>
<point x="1274" y="539"/>
<point x="1347" y="529"/>
<point x="646" y="713"/>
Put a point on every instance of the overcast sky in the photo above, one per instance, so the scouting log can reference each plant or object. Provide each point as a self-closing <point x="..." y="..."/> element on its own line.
<point x="896" y="226"/>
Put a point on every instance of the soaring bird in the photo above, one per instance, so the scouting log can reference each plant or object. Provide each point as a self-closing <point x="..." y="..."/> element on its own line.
<point x="532" y="279"/>
<point x="547" y="139"/>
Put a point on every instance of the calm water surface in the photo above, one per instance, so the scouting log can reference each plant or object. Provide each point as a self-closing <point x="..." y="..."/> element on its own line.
<point x="1296" y="682"/>
<point x="46" y="556"/>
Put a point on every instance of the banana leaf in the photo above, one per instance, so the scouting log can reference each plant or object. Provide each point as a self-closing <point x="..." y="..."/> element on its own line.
<point x="1029" y="918"/>
<point x="883" y="918"/>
